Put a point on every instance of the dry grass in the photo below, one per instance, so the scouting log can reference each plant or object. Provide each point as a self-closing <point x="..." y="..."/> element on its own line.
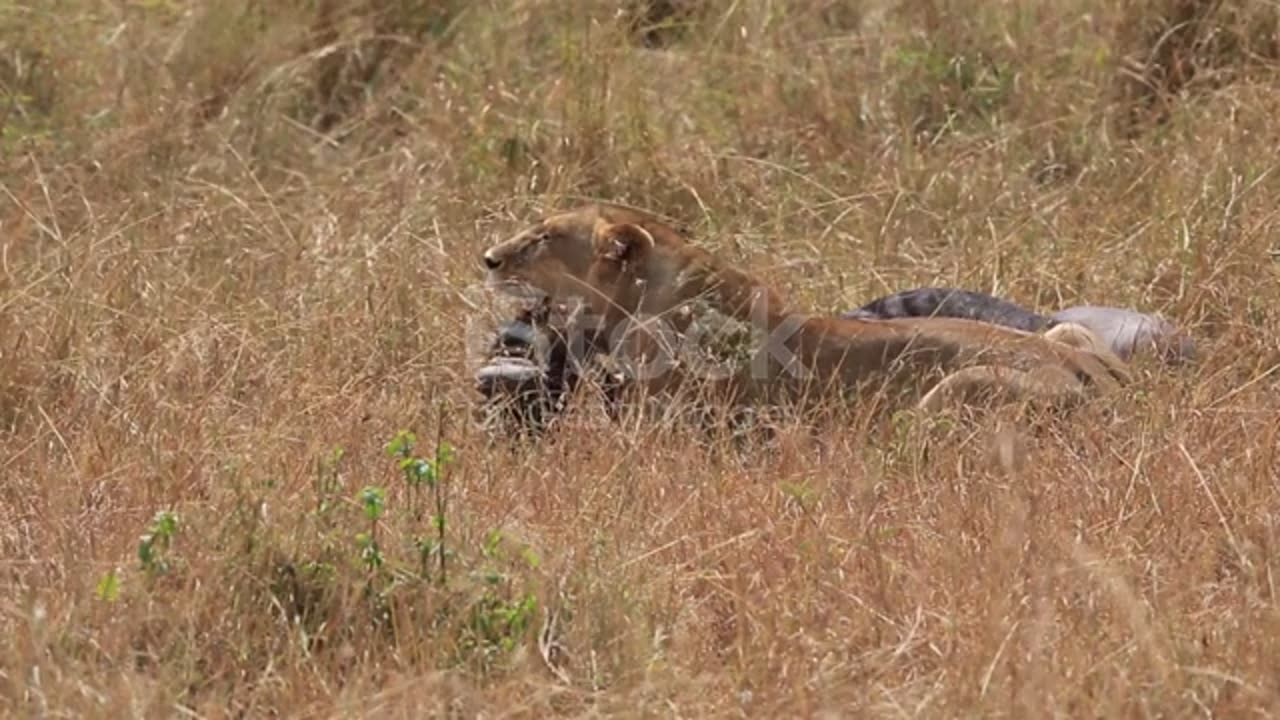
<point x="236" y="235"/>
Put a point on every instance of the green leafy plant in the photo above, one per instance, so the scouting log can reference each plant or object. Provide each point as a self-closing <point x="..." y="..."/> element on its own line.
<point x="502" y="614"/>
<point x="156" y="542"/>
<point x="420" y="472"/>
<point x="373" y="501"/>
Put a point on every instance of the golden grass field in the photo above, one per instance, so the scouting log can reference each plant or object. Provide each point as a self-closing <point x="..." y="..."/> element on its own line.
<point x="239" y="253"/>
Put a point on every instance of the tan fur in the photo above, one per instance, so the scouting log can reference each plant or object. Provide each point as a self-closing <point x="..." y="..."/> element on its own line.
<point x="552" y="255"/>
<point x="637" y="274"/>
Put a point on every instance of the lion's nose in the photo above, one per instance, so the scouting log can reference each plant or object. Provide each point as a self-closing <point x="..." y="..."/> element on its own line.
<point x="492" y="262"/>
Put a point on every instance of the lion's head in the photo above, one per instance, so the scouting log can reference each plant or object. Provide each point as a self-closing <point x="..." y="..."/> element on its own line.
<point x="553" y="256"/>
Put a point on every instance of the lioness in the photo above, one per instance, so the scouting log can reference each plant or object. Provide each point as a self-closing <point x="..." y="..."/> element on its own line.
<point x="552" y="257"/>
<point x="636" y="276"/>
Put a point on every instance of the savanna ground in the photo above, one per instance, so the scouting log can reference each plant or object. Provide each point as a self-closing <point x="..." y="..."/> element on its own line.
<point x="239" y="241"/>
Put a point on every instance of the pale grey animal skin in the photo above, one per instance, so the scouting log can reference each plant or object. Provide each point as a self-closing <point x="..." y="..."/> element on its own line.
<point x="1128" y="331"/>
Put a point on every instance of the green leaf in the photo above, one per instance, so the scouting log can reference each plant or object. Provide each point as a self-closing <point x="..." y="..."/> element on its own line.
<point x="370" y="553"/>
<point x="374" y="501"/>
<point x="108" y="588"/>
<point x="445" y="454"/>
<point x="418" y="471"/>
<point x="799" y="492"/>
<point x="402" y="444"/>
<point x="156" y="539"/>
<point x="531" y="558"/>
<point x="165" y="524"/>
<point x="491" y="543"/>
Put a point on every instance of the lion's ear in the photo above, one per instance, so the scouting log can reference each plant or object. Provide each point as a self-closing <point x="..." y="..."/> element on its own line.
<point x="622" y="241"/>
